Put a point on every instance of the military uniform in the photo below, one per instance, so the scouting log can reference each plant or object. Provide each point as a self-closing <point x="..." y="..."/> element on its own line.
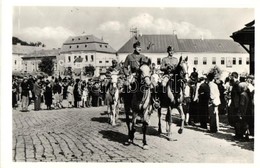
<point x="168" y="63"/>
<point x="132" y="63"/>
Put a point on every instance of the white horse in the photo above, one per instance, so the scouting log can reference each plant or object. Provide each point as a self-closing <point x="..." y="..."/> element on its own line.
<point x="112" y="97"/>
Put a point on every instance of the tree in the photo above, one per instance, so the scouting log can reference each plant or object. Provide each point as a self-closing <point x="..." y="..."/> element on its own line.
<point x="89" y="70"/>
<point x="46" y="65"/>
<point x="216" y="71"/>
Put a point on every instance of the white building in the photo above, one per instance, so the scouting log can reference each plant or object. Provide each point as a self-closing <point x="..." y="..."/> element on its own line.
<point x="18" y="52"/>
<point x="93" y="50"/>
<point x="32" y="60"/>
<point x="203" y="54"/>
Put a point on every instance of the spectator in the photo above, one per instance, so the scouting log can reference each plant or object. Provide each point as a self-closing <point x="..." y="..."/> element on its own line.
<point x="234" y="98"/>
<point x="203" y="99"/>
<point x="48" y="95"/>
<point x="56" y="91"/>
<point x="194" y="75"/>
<point x="241" y="124"/>
<point x="25" y="87"/>
<point x="37" y="95"/>
<point x="14" y="93"/>
<point x="77" y="93"/>
<point x="70" y="96"/>
<point x="213" y="105"/>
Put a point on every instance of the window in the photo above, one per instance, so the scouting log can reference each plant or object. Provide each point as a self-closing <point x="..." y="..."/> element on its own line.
<point x="247" y="61"/>
<point x="204" y="60"/>
<point x="75" y="57"/>
<point x="196" y="60"/>
<point x="107" y="61"/>
<point x="70" y="46"/>
<point x="234" y="61"/>
<point x="87" y="38"/>
<point x="69" y="58"/>
<point x="100" y="62"/>
<point x="73" y="39"/>
<point x="77" y="46"/>
<point x="79" y="38"/>
<point x="222" y="60"/>
<point x="100" y="45"/>
<point x="80" y="56"/>
<point x="240" y="61"/>
<point x="15" y="62"/>
<point x="86" y="58"/>
<point x="86" y="45"/>
<point x="92" y="58"/>
<point x="159" y="61"/>
<point x="106" y="46"/>
<point x="213" y="60"/>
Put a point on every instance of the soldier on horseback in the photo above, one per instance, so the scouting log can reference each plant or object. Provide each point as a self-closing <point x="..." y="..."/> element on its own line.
<point x="131" y="68"/>
<point x="172" y="86"/>
<point x="168" y="64"/>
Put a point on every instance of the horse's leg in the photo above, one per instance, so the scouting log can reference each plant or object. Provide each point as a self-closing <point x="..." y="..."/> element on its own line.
<point x="169" y="117"/>
<point x="179" y="108"/>
<point x="145" y="146"/>
<point x="113" y="110"/>
<point x="159" y="118"/>
<point x="133" y="126"/>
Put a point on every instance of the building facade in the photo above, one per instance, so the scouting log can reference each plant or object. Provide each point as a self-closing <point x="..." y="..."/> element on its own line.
<point x="18" y="52"/>
<point x="203" y="54"/>
<point x="91" y="49"/>
<point x="32" y="60"/>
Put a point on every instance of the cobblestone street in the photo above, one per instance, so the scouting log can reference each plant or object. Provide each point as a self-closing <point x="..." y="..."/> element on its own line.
<point x="84" y="135"/>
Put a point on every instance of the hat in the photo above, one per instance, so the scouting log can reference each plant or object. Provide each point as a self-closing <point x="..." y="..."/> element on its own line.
<point x="169" y="48"/>
<point x="137" y="44"/>
<point x="114" y="61"/>
<point x="250" y="77"/>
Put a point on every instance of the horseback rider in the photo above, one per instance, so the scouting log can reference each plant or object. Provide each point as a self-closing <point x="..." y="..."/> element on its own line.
<point x="131" y="67"/>
<point x="168" y="64"/>
<point x="132" y="61"/>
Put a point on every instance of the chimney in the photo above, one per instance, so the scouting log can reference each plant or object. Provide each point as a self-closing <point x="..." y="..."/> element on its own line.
<point x="174" y="32"/>
<point x="201" y="37"/>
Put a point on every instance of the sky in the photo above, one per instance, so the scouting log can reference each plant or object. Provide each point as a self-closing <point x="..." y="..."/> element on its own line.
<point x="53" y="25"/>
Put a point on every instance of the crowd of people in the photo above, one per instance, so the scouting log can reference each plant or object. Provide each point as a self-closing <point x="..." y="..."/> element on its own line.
<point x="210" y="97"/>
<point x="204" y="97"/>
<point x="53" y="92"/>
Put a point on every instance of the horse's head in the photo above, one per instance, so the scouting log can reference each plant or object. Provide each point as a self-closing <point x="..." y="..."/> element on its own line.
<point x="145" y="70"/>
<point x="114" y="78"/>
<point x="183" y="70"/>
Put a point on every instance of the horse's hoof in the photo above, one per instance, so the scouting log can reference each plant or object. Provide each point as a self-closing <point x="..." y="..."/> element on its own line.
<point x="128" y="142"/>
<point x="180" y="131"/>
<point x="170" y="138"/>
<point x="159" y="131"/>
<point x="145" y="147"/>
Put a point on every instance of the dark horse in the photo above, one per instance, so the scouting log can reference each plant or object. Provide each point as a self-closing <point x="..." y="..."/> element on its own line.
<point x="137" y="97"/>
<point x="171" y="96"/>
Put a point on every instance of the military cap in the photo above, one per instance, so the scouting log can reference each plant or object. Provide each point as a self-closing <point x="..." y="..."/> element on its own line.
<point x="169" y="48"/>
<point x="137" y="44"/>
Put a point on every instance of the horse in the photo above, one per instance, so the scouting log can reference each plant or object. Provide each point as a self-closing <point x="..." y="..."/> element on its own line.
<point x="171" y="96"/>
<point x="138" y="99"/>
<point x="112" y="97"/>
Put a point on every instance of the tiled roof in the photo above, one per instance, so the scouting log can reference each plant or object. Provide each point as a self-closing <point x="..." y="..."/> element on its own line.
<point x="43" y="53"/>
<point x="86" y="43"/>
<point x="152" y="43"/>
<point x="20" y="49"/>
<point x="159" y="44"/>
<point x="210" y="46"/>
